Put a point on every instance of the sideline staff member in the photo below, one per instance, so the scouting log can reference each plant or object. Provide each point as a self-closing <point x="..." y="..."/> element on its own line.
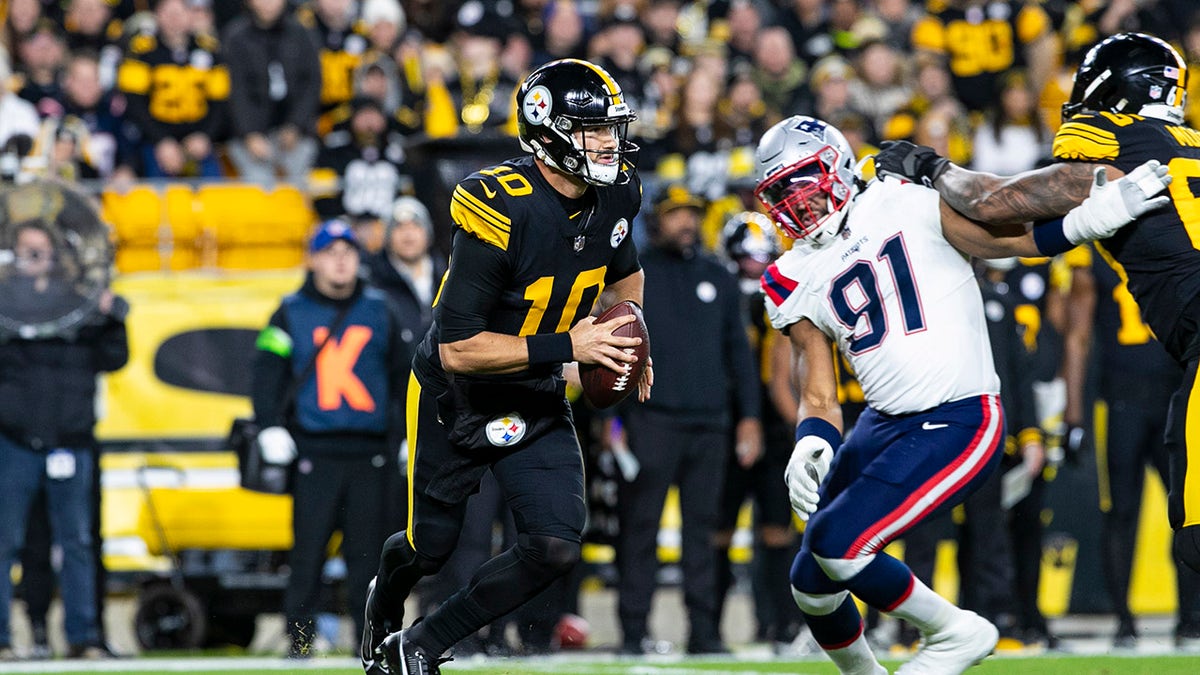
<point x="337" y="427"/>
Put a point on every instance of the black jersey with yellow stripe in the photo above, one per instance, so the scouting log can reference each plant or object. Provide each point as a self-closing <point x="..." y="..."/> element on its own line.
<point x="1160" y="252"/>
<point x="979" y="42"/>
<point x="526" y="261"/>
<point x="174" y="92"/>
<point x="1125" y="346"/>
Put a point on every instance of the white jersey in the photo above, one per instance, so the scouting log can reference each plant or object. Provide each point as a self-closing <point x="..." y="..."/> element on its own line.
<point x="900" y="302"/>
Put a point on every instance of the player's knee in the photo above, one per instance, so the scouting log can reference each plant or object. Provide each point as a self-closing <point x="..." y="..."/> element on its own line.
<point x="550" y="555"/>
<point x="819" y="604"/>
<point x="807" y="576"/>
<point x="1187" y="546"/>
<point x="399" y="553"/>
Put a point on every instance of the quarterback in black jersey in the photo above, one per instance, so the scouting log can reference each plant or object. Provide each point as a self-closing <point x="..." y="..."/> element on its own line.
<point x="1126" y="107"/>
<point x="536" y="241"/>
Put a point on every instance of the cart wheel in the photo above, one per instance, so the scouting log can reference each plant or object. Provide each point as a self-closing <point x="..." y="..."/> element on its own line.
<point x="169" y="618"/>
<point x="230" y="629"/>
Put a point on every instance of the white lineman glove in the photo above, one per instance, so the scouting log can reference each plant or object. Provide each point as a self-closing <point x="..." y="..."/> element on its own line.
<point x="805" y="471"/>
<point x="277" y="446"/>
<point x="1110" y="206"/>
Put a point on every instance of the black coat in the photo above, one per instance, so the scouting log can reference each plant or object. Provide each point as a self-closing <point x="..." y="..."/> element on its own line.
<point x="48" y="386"/>
<point x="415" y="315"/>
<point x="249" y="50"/>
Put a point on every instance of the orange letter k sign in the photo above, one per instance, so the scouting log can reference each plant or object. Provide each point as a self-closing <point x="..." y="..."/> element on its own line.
<point x="335" y="370"/>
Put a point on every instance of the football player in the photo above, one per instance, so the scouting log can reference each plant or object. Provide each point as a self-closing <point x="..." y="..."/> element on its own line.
<point x="1126" y="107"/>
<point x="879" y="270"/>
<point x="536" y="240"/>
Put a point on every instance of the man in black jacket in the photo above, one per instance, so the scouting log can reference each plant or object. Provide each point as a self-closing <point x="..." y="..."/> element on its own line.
<point x="47" y="415"/>
<point x="275" y="90"/>
<point x="681" y="437"/>
<point x="337" y="344"/>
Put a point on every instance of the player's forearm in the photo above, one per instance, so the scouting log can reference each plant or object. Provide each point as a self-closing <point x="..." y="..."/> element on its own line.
<point x="491" y="353"/>
<point x="1029" y="196"/>
<point x="629" y="288"/>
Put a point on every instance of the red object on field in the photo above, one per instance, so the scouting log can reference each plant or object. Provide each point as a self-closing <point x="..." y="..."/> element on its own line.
<point x="604" y="387"/>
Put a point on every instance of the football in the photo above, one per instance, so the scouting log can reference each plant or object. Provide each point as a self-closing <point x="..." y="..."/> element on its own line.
<point x="604" y="387"/>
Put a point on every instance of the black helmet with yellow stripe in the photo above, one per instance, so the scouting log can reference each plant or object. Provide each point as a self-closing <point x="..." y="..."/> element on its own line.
<point x="574" y="117"/>
<point x="1131" y="73"/>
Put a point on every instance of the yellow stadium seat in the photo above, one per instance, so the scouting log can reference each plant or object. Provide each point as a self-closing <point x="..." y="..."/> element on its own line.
<point x="260" y="257"/>
<point x="136" y="215"/>
<point x="137" y="258"/>
<point x="181" y="213"/>
<point x="241" y="214"/>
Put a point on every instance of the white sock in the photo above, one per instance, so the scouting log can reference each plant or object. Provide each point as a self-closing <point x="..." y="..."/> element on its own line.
<point x="856" y="658"/>
<point x="926" y="610"/>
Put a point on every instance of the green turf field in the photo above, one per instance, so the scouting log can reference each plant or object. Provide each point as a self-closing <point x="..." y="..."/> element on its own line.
<point x="1044" y="665"/>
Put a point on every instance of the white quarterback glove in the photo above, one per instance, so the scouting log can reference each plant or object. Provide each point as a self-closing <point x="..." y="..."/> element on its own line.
<point x="1110" y="206"/>
<point x="277" y="446"/>
<point x="805" y="471"/>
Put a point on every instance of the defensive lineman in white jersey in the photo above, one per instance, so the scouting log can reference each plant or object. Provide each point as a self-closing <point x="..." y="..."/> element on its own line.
<point x="881" y="270"/>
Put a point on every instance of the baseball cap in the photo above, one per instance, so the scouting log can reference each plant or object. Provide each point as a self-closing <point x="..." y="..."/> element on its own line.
<point x="677" y="197"/>
<point x="329" y="232"/>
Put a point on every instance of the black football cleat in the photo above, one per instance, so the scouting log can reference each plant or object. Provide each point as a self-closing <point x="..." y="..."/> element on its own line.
<point x="402" y="657"/>
<point x="372" y="638"/>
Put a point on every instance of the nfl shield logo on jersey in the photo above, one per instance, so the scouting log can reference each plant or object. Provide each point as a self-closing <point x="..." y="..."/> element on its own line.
<point x="506" y="430"/>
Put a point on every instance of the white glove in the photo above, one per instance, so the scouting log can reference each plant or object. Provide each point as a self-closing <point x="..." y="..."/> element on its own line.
<point x="277" y="446"/>
<point x="805" y="471"/>
<point x="1110" y="206"/>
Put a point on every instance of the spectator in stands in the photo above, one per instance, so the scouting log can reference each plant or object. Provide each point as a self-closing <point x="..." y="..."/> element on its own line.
<point x="42" y="55"/>
<point x="336" y="431"/>
<point x="831" y="80"/>
<point x="96" y="118"/>
<point x="682" y="435"/>
<point x="780" y="75"/>
<point x="90" y="26"/>
<point x="562" y="37"/>
<point x="364" y="163"/>
<point x="385" y="25"/>
<point x="933" y="86"/>
<point x="879" y="90"/>
<point x="616" y="49"/>
<point x="275" y="89"/>
<point x="22" y="17"/>
<point x="1012" y="137"/>
<point x="742" y="114"/>
<point x="898" y="18"/>
<point x="660" y="18"/>
<point x="201" y="17"/>
<point x="1018" y="34"/>
<point x="178" y="88"/>
<point x="341" y="41"/>
<point x="17" y="116"/>
<point x="807" y="23"/>
<point x="47" y="416"/>
<point x="745" y="22"/>
<point x="480" y="91"/>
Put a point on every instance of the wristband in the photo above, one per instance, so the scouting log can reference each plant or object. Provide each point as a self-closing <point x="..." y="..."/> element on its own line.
<point x="1050" y="238"/>
<point x="815" y="426"/>
<point x="550" y="348"/>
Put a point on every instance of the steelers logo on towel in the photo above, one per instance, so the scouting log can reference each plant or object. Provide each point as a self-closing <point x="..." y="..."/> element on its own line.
<point x="506" y="430"/>
<point x="537" y="105"/>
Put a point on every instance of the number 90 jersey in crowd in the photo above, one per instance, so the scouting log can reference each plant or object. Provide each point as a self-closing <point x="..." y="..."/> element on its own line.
<point x="1160" y="251"/>
<point x="527" y="260"/>
<point x="900" y="302"/>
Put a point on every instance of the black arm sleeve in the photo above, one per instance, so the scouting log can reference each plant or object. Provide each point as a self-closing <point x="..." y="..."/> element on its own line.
<point x="743" y="373"/>
<point x="271" y="378"/>
<point x="478" y="273"/>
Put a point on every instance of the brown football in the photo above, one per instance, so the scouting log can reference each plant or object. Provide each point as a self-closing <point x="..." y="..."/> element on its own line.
<point x="604" y="387"/>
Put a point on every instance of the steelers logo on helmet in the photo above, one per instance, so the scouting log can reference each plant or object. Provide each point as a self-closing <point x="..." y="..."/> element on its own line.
<point x="750" y="235"/>
<point x="575" y="119"/>
<point x="537" y="105"/>
<point x="806" y="178"/>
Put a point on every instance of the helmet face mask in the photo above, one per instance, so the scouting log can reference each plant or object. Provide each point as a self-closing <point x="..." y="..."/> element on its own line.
<point x="806" y="178"/>
<point x="563" y="106"/>
<point x="1130" y="73"/>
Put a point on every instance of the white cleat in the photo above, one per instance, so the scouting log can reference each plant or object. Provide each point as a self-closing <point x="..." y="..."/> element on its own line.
<point x="962" y="644"/>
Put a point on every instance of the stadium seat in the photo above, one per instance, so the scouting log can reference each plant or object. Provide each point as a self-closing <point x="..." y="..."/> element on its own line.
<point x="241" y="214"/>
<point x="153" y="229"/>
<point x="260" y="256"/>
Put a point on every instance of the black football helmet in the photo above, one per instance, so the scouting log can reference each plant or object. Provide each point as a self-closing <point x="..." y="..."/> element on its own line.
<point x="1130" y="73"/>
<point x="570" y="95"/>
<point x="751" y="235"/>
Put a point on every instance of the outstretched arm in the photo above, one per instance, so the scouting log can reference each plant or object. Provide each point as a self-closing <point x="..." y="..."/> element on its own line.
<point x="1033" y="195"/>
